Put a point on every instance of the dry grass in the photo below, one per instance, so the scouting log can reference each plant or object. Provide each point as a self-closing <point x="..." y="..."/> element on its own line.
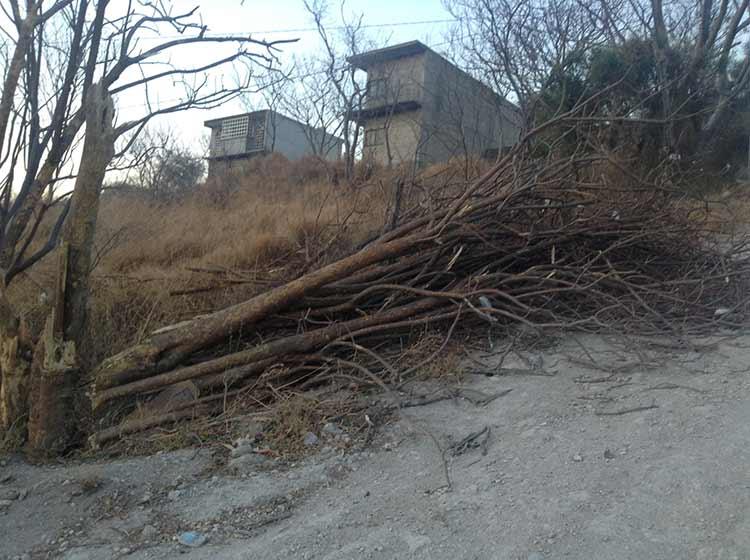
<point x="157" y="264"/>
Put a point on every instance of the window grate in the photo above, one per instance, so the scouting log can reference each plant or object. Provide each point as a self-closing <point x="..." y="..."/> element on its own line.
<point x="236" y="127"/>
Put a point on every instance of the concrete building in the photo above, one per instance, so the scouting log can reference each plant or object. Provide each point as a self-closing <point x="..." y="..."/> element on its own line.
<point x="420" y="107"/>
<point x="237" y="138"/>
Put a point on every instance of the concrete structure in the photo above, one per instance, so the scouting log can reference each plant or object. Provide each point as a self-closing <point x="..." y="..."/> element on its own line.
<point x="420" y="107"/>
<point x="237" y="138"/>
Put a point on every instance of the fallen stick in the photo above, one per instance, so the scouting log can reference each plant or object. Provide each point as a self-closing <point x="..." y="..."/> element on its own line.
<point x="626" y="410"/>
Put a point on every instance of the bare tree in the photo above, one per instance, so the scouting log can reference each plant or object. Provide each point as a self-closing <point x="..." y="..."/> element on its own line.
<point x="71" y="61"/>
<point x="311" y="99"/>
<point x="515" y="45"/>
<point x="700" y="57"/>
<point x="162" y="167"/>
<point x="344" y="78"/>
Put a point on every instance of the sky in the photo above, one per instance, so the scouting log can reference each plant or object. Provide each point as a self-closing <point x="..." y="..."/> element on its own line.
<point x="392" y="21"/>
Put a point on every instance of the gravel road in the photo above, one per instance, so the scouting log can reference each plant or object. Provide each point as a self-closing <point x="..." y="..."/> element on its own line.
<point x="645" y="456"/>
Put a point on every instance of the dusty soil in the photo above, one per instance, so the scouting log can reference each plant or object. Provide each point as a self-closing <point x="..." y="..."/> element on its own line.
<point x="647" y="456"/>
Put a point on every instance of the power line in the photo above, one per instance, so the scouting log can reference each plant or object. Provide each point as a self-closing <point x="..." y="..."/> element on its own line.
<point x="241" y="34"/>
<point x="291" y="77"/>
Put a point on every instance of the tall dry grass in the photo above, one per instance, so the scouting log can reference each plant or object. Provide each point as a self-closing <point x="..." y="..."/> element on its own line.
<point x="160" y="263"/>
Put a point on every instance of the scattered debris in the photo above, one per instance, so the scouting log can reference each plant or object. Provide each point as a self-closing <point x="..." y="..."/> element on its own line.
<point x="472" y="441"/>
<point x="662" y="386"/>
<point x="608" y="454"/>
<point x="146" y="498"/>
<point x="193" y="539"/>
<point x="626" y="410"/>
<point x="9" y="494"/>
<point x="242" y="462"/>
<point x="502" y="371"/>
<point x="243" y="446"/>
<point x="332" y="429"/>
<point x="477" y="398"/>
<point x="149" y="532"/>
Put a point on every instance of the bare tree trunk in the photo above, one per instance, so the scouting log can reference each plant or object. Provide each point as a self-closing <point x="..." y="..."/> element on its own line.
<point x="56" y="370"/>
<point x="84" y="210"/>
<point x="660" y="45"/>
<point x="25" y="33"/>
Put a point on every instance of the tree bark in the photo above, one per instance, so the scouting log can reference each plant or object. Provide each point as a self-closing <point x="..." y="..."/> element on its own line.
<point x="56" y="369"/>
<point x="660" y="40"/>
<point x="15" y="362"/>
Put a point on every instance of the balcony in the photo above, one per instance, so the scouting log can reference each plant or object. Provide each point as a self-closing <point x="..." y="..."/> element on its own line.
<point x="385" y="92"/>
<point x="382" y="100"/>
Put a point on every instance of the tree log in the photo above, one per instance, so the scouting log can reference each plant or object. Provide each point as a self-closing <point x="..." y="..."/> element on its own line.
<point x="163" y="351"/>
<point x="230" y="369"/>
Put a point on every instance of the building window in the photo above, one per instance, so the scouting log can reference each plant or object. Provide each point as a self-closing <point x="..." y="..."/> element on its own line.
<point x="377" y="88"/>
<point x="374" y="137"/>
<point x="236" y="127"/>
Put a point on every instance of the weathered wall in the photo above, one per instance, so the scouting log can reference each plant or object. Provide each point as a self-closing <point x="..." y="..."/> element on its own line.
<point x="403" y="78"/>
<point x="276" y="134"/>
<point x="461" y="115"/>
<point x="399" y="140"/>
<point x="295" y="140"/>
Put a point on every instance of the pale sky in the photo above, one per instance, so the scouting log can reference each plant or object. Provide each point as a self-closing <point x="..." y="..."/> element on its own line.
<point x="396" y="20"/>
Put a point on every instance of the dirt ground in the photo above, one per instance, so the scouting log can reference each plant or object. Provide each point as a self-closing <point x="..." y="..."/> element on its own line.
<point x="646" y="456"/>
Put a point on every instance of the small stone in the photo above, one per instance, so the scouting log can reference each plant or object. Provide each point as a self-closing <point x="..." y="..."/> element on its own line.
<point x="5" y="503"/>
<point x="608" y="454"/>
<point x="174" y="494"/>
<point x="332" y="429"/>
<point x="146" y="498"/>
<point x="4" y="478"/>
<point x="245" y="461"/>
<point x="9" y="494"/>
<point x="192" y="539"/>
<point x="310" y="439"/>
<point x="577" y="458"/>
<point x="338" y="472"/>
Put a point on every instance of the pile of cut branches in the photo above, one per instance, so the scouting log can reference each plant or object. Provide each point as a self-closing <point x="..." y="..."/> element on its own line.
<point x="543" y="243"/>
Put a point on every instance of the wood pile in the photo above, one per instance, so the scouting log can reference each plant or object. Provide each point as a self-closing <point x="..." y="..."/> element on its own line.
<point x="546" y="244"/>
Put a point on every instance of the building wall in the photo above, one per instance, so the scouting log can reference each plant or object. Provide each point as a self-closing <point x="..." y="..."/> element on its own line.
<point x="295" y="140"/>
<point x="397" y="138"/>
<point x="395" y="80"/>
<point x="459" y="116"/>
<point x="270" y="132"/>
<point x="462" y="116"/>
